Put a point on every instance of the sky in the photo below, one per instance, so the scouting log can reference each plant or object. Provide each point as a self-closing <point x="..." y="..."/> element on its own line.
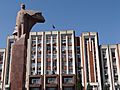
<point x="102" y="16"/>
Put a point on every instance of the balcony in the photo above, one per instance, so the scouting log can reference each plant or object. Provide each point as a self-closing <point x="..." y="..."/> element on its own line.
<point x="68" y="80"/>
<point x="52" y="82"/>
<point x="35" y="81"/>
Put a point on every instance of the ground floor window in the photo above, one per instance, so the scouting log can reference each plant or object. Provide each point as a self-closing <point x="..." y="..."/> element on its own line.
<point x="51" y="88"/>
<point x="34" y="88"/>
<point x="68" y="88"/>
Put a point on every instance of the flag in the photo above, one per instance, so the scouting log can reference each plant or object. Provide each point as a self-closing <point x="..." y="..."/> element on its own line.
<point x="53" y="26"/>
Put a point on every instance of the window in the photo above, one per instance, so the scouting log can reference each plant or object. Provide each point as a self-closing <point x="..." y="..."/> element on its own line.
<point x="64" y="64"/>
<point x="64" y="72"/>
<point x="69" y="47"/>
<point x="113" y="52"/>
<point x="36" y="81"/>
<point x="70" y="71"/>
<point x="70" y="55"/>
<point x="51" y="88"/>
<point x="33" y="48"/>
<point x="34" y="88"/>
<point x="68" y="88"/>
<point x="39" y="64"/>
<point x="54" y="63"/>
<point x="51" y="80"/>
<point x="48" y="55"/>
<point x="48" y="71"/>
<point x="48" y="63"/>
<point x="63" y="47"/>
<point x="39" y="72"/>
<point x="39" y="55"/>
<point x="39" y="48"/>
<point x="70" y="64"/>
<point x="68" y="80"/>
<point x="33" y="41"/>
<point x="69" y="40"/>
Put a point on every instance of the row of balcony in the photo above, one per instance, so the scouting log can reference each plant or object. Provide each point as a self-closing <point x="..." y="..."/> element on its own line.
<point x="52" y="79"/>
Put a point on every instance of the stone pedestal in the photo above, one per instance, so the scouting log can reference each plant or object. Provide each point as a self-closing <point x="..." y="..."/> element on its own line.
<point x="18" y="65"/>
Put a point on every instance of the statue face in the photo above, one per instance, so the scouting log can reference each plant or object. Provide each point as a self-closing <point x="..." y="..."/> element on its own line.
<point x="38" y="18"/>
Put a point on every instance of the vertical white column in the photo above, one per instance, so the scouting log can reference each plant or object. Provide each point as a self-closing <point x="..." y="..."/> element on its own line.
<point x="60" y="62"/>
<point x="98" y="61"/>
<point x="51" y="53"/>
<point x="73" y="52"/>
<point x="36" y="55"/>
<point x="3" y="67"/>
<point x="42" y="50"/>
<point x="58" y="43"/>
<point x="67" y="53"/>
<point x="90" y="43"/>
<point x="109" y="69"/>
<point x="118" y="60"/>
<point x="82" y="60"/>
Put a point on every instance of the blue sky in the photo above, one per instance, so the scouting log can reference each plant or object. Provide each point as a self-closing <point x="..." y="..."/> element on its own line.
<point x="102" y="16"/>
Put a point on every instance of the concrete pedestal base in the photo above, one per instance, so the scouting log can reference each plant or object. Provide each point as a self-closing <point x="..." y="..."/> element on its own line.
<point x="18" y="65"/>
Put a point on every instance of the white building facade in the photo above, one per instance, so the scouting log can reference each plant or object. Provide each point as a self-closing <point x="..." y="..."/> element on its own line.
<point x="90" y="62"/>
<point x="110" y="61"/>
<point x="2" y="64"/>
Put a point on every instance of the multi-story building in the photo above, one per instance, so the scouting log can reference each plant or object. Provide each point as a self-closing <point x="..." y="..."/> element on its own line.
<point x="2" y="60"/>
<point x="110" y="61"/>
<point x="51" y="61"/>
<point x="8" y="58"/>
<point x="58" y="60"/>
<point x="90" y="62"/>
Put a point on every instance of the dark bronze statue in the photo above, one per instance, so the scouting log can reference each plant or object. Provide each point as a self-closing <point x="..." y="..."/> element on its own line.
<point x="25" y="20"/>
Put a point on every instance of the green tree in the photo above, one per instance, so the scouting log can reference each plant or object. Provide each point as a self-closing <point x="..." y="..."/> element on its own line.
<point x="89" y="87"/>
<point x="79" y="81"/>
<point x="106" y="87"/>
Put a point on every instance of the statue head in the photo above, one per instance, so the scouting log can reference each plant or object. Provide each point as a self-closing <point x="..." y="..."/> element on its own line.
<point x="23" y="6"/>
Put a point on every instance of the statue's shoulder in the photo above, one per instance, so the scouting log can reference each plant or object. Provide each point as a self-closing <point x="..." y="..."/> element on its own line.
<point x="22" y="12"/>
